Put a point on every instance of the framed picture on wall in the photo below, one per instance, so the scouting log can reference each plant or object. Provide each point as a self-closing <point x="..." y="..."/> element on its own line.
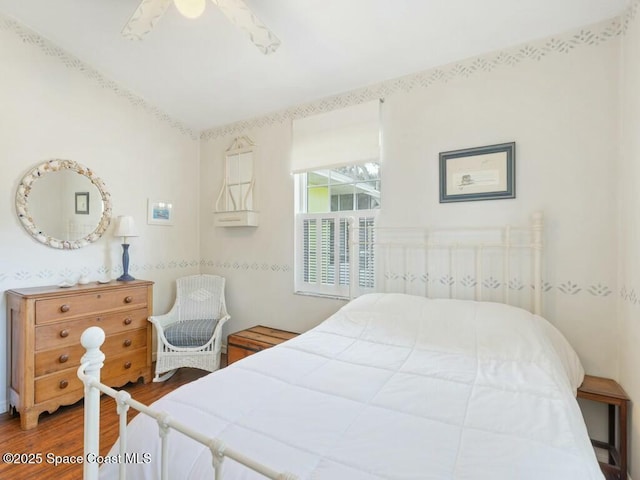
<point x="159" y="212"/>
<point x="82" y="203"/>
<point x="480" y="173"/>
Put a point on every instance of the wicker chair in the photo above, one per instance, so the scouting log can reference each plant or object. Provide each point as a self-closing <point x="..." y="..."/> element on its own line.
<point x="190" y="334"/>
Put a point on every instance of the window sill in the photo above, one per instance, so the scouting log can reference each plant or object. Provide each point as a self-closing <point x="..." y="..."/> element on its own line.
<point x="322" y="295"/>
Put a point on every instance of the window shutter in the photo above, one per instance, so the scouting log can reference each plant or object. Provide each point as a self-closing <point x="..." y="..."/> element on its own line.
<point x="327" y="257"/>
<point x="309" y="251"/>
<point x="323" y="254"/>
<point x="366" y="256"/>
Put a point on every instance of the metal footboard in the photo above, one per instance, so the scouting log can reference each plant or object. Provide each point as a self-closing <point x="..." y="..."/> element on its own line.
<point x="89" y="373"/>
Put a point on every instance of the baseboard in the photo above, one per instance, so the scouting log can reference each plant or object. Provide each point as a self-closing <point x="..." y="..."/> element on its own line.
<point x="4" y="407"/>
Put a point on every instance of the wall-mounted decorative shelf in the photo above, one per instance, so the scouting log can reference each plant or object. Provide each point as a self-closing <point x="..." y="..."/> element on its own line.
<point x="237" y="218"/>
<point x="234" y="206"/>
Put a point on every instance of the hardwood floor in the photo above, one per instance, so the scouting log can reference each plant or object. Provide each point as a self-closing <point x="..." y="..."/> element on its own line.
<point x="61" y="434"/>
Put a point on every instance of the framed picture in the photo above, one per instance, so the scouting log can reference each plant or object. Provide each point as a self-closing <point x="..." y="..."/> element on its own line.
<point x="82" y="203"/>
<point x="159" y="212"/>
<point x="481" y="173"/>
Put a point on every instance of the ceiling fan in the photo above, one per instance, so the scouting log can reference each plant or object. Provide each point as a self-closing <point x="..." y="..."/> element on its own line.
<point x="149" y="12"/>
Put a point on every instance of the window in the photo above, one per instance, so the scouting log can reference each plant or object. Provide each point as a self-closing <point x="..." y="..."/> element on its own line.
<point x="333" y="204"/>
<point x="335" y="157"/>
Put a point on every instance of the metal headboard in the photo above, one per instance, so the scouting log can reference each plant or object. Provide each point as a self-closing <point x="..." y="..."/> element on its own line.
<point x="502" y="264"/>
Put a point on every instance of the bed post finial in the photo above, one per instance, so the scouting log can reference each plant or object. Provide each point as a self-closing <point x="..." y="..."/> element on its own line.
<point x="536" y="228"/>
<point x="92" y="338"/>
<point x="92" y="361"/>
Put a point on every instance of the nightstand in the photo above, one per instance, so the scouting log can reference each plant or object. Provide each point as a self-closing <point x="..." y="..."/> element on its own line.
<point x="254" y="339"/>
<point x="606" y="390"/>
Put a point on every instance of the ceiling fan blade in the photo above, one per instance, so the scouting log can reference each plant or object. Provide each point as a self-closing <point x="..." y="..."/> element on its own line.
<point x="144" y="18"/>
<point x="241" y="16"/>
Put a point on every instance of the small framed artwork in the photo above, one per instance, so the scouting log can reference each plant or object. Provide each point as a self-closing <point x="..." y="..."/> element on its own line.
<point x="82" y="203"/>
<point x="481" y="173"/>
<point x="159" y="212"/>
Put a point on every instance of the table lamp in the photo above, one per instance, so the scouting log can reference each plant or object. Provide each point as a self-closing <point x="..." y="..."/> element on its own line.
<point x="125" y="228"/>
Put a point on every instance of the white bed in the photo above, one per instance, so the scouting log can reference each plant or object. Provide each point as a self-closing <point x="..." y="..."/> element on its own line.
<point x="392" y="386"/>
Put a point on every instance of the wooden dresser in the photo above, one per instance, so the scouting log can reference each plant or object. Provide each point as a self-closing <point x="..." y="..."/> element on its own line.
<point x="44" y="327"/>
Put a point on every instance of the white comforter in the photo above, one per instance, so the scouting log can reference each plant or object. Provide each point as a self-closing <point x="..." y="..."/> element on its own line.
<point x="391" y="386"/>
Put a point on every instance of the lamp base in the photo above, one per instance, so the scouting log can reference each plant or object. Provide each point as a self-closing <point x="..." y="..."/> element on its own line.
<point x="125" y="277"/>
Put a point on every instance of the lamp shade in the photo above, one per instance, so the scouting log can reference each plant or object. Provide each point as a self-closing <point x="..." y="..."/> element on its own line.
<point x="125" y="227"/>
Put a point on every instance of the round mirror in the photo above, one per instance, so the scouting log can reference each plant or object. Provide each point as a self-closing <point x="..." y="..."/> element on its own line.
<point x="63" y="204"/>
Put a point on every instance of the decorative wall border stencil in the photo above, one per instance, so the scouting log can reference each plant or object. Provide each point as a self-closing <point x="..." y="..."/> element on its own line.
<point x="48" y="48"/>
<point x="47" y="276"/>
<point x="246" y="265"/>
<point x="629" y="294"/>
<point x="587" y="36"/>
<point x="629" y="15"/>
<point x="567" y="288"/>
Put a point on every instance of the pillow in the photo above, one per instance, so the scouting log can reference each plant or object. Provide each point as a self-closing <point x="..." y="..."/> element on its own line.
<point x="190" y="333"/>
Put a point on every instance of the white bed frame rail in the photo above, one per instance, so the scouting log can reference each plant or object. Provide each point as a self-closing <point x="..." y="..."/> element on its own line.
<point x="89" y="372"/>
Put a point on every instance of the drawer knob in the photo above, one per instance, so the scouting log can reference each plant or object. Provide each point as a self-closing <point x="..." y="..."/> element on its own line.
<point x="65" y="308"/>
<point x="127" y="321"/>
<point x="127" y="365"/>
<point x="64" y="333"/>
<point x="64" y="384"/>
<point x="127" y="343"/>
<point x="63" y="358"/>
<point x="128" y="299"/>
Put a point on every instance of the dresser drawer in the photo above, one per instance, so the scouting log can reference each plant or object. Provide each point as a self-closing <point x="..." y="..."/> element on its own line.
<point x="56" y="384"/>
<point x="68" y="333"/>
<point x="50" y="361"/>
<point x="57" y="309"/>
<point x="123" y="365"/>
<point x="67" y="381"/>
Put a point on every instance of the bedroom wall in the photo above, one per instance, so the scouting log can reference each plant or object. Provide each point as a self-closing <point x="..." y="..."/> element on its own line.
<point x="629" y="226"/>
<point x="556" y="98"/>
<point x="54" y="106"/>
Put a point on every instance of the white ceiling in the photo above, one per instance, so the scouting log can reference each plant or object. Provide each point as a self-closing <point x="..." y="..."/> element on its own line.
<point x="206" y="73"/>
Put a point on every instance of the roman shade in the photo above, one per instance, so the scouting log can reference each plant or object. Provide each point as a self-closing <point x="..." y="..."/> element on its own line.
<point x="341" y="137"/>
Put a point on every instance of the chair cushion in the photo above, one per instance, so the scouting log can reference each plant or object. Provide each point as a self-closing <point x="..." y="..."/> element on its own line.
<point x="190" y="333"/>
